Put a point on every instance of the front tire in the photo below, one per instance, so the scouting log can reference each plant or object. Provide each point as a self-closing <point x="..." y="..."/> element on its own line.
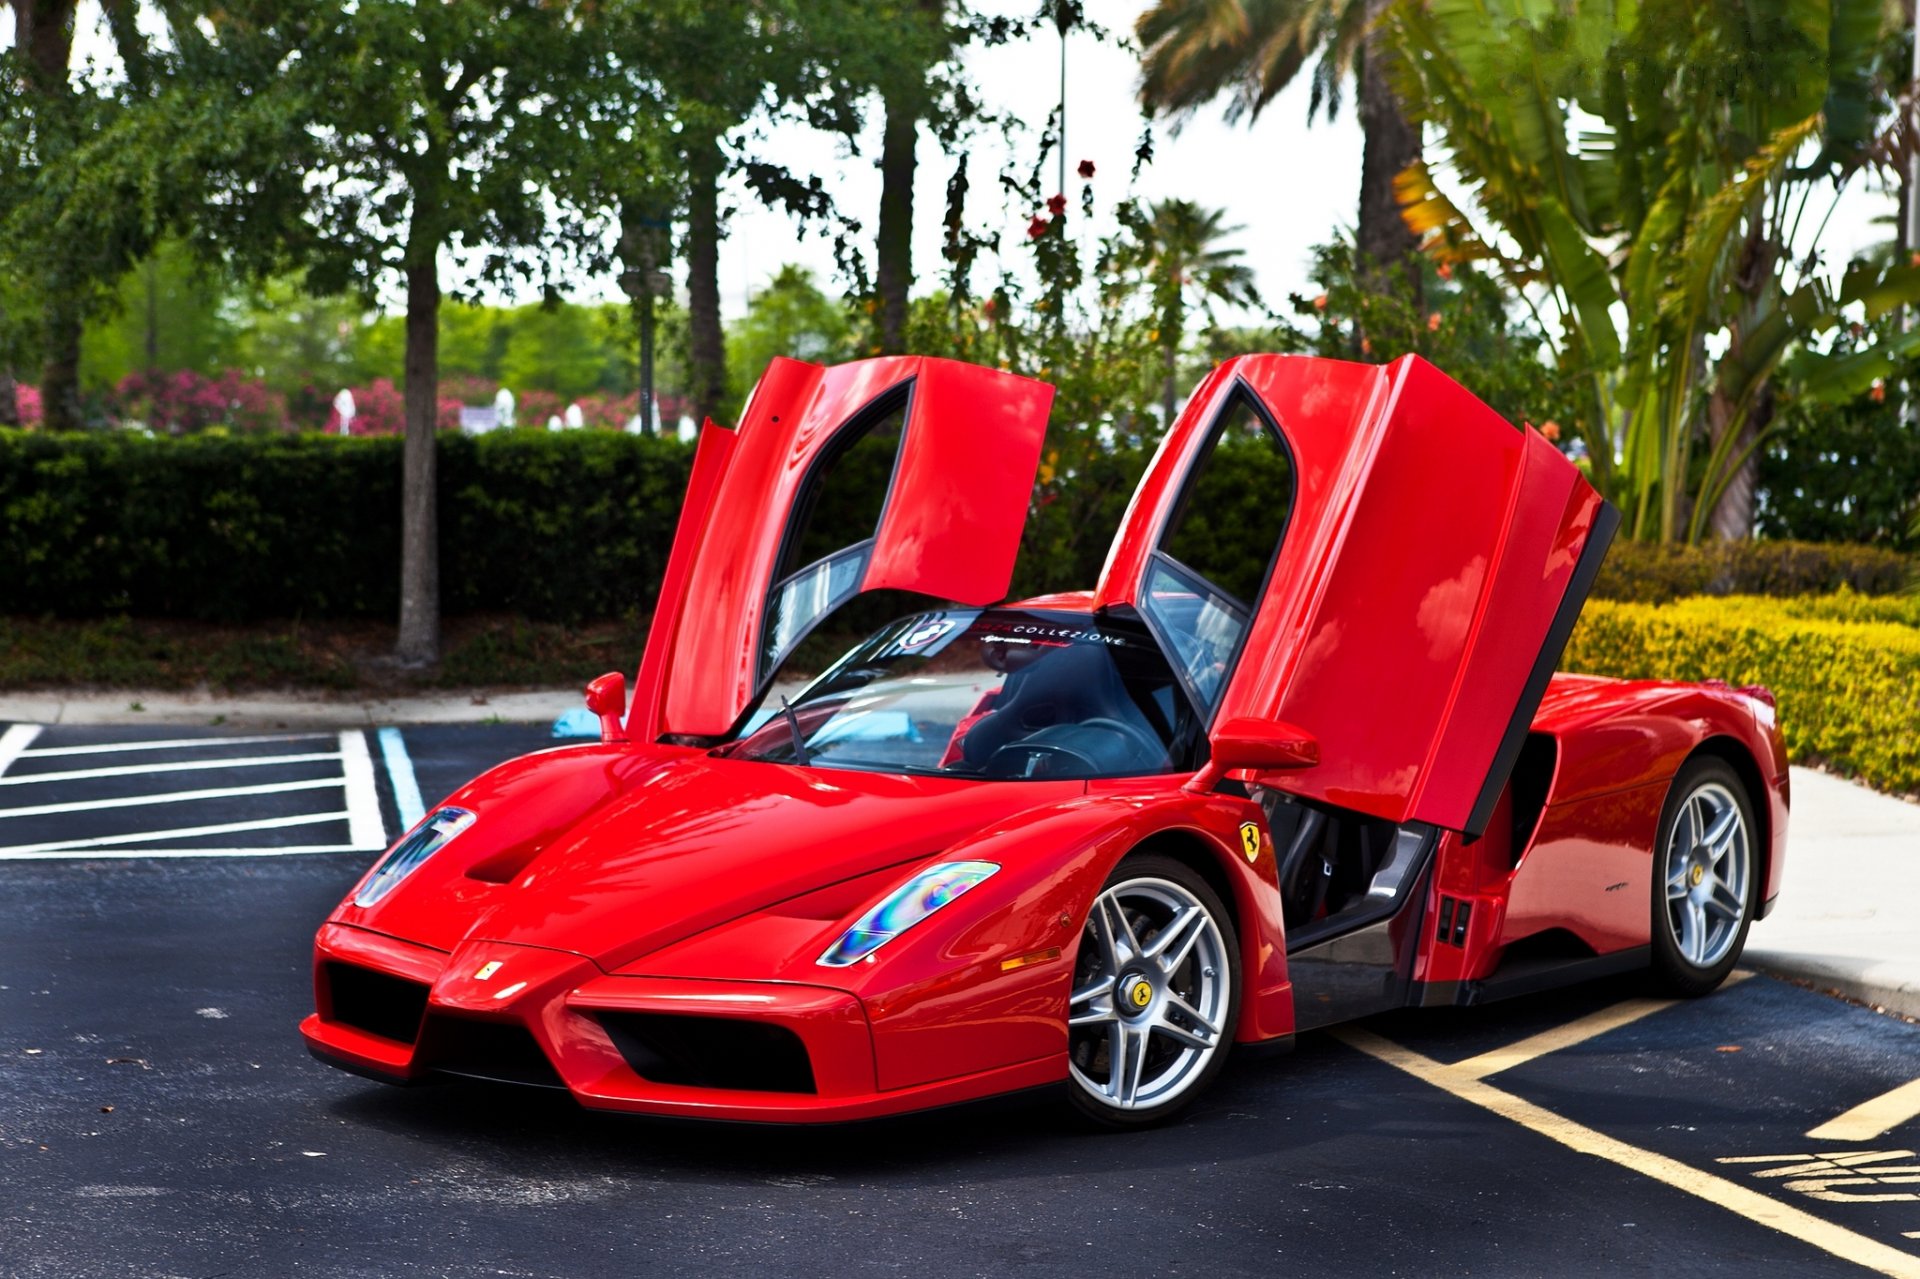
<point x="1706" y="878"/>
<point x="1156" y="994"/>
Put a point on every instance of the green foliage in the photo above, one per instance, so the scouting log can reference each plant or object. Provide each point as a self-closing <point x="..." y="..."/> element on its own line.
<point x="1656" y="572"/>
<point x="1848" y="690"/>
<point x="1846" y="472"/>
<point x="1659" y="226"/>
<point x="1458" y="317"/>
<point x="568" y="525"/>
<point x="791" y="317"/>
<point x="172" y="301"/>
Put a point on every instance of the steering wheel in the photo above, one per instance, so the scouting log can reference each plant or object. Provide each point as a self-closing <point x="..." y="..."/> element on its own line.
<point x="1150" y="747"/>
<point x="1022" y="753"/>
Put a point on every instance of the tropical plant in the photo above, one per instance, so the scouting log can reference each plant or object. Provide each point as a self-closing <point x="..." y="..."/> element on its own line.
<point x="1173" y="251"/>
<point x="1249" y="50"/>
<point x="1664" y="231"/>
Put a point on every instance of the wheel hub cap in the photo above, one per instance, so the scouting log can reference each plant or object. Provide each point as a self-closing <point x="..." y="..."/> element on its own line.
<point x="1139" y="993"/>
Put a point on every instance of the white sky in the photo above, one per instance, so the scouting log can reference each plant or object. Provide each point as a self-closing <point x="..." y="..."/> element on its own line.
<point x="1287" y="185"/>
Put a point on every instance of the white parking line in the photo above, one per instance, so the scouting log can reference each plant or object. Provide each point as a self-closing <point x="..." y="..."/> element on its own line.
<point x="365" y="829"/>
<point x="176" y="854"/>
<point x="406" y="787"/>
<point x="14" y="742"/>
<point x="107" y="842"/>
<point x="178" y="743"/>
<point x="177" y="797"/>
<point x="187" y="766"/>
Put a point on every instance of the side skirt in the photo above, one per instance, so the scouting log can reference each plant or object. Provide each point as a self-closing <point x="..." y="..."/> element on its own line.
<point x="1530" y="977"/>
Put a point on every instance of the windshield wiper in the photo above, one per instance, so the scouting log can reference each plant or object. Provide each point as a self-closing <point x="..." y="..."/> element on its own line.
<point x="800" y="755"/>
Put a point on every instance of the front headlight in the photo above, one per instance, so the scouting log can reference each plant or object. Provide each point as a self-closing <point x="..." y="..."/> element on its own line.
<point x="426" y="839"/>
<point x="904" y="907"/>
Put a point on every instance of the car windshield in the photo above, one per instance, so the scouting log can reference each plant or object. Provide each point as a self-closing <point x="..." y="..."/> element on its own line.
<point x="1001" y="693"/>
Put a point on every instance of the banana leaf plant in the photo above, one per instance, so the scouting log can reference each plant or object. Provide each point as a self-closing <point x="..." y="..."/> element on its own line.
<point x="1652" y="178"/>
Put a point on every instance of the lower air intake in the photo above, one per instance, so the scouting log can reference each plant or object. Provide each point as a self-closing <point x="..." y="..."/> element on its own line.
<point x="503" y="1052"/>
<point x="378" y="1003"/>
<point x="711" y="1052"/>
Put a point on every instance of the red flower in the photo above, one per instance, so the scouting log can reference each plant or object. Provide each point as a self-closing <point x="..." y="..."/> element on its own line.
<point x="1879" y="392"/>
<point x="1366" y="346"/>
<point x="1086" y="168"/>
<point x="1036" y="228"/>
<point x="1320" y="303"/>
<point x="1433" y="322"/>
<point x="1444" y="270"/>
<point x="1057" y="205"/>
<point x="1551" y="430"/>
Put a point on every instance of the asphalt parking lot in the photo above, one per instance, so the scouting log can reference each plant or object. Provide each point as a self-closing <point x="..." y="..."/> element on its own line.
<point x="159" y="1115"/>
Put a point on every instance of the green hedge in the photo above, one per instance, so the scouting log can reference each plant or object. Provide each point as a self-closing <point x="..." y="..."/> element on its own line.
<point x="575" y="525"/>
<point x="1846" y="671"/>
<point x="1654" y="573"/>
<point x="570" y="525"/>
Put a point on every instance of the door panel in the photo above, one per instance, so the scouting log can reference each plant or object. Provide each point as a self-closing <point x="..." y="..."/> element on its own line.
<point x="949" y="526"/>
<point x="1434" y="561"/>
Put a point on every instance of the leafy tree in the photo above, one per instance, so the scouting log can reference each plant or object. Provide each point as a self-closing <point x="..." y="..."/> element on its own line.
<point x="791" y="317"/>
<point x="1249" y="50"/>
<point x="1658" y="229"/>
<point x="433" y="130"/>
<point x="169" y="312"/>
<point x="1174" y="249"/>
<point x="563" y="348"/>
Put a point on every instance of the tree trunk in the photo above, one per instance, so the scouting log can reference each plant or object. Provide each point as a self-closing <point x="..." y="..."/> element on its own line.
<point x="1170" y="385"/>
<point x="153" y="314"/>
<point x="9" y="398"/>
<point x="893" y="274"/>
<point x="1733" y="514"/>
<point x="1391" y="143"/>
<point x="44" y="29"/>
<point x="706" y="343"/>
<point x="419" y="526"/>
<point x="60" y="376"/>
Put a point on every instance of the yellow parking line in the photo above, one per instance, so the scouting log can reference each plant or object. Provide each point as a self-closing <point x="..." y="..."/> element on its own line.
<point x="1735" y="1198"/>
<point x="1574" y="1032"/>
<point x="1547" y="1041"/>
<point x="1871" y="1118"/>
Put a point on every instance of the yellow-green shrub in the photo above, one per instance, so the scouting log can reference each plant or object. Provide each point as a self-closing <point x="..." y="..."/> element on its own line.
<point x="1849" y="690"/>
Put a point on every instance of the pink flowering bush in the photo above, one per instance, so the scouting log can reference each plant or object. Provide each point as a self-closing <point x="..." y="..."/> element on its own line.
<point x="183" y="401"/>
<point x="27" y="399"/>
<point x="381" y="409"/>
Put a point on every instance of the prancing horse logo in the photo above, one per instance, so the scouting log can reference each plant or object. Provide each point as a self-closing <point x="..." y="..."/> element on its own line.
<point x="488" y="969"/>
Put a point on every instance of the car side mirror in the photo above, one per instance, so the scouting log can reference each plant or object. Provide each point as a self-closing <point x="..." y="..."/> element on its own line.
<point x="1259" y="746"/>
<point x="1264" y="745"/>
<point x="607" y="698"/>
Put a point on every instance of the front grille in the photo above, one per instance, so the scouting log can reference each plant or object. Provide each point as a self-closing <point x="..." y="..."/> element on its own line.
<point x="711" y="1052"/>
<point x="378" y="1003"/>
<point x="504" y="1052"/>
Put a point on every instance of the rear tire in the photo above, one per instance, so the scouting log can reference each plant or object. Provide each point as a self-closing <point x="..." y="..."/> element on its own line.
<point x="1155" y="997"/>
<point x="1706" y="878"/>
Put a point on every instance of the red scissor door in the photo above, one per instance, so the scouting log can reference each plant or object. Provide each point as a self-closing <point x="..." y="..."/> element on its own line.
<point x="1424" y="561"/>
<point x="929" y="463"/>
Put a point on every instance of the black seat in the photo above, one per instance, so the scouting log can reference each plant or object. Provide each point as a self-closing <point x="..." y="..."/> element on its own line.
<point x="1067" y="686"/>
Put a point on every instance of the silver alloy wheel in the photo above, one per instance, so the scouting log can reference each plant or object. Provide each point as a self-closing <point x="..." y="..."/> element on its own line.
<point x="1151" y="992"/>
<point x="1706" y="865"/>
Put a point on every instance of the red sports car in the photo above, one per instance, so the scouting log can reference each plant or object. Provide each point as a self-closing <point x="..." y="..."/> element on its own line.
<point x="1299" y="756"/>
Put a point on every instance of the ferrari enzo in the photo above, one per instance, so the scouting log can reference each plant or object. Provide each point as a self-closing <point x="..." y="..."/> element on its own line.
<point x="1298" y="757"/>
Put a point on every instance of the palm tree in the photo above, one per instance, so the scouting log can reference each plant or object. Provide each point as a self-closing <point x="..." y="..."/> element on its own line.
<point x="1249" y="50"/>
<point x="1174" y="247"/>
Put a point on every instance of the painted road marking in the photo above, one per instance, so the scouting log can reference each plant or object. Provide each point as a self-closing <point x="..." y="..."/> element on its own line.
<point x="1577" y="1031"/>
<point x="178" y="743"/>
<point x="1871" y="1118"/>
<point x="1731" y="1195"/>
<point x="109" y="842"/>
<point x="14" y="742"/>
<point x="365" y="829"/>
<point x="406" y="786"/>
<point x="1841" y="1176"/>
<point x="169" y="797"/>
<point x="188" y="766"/>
